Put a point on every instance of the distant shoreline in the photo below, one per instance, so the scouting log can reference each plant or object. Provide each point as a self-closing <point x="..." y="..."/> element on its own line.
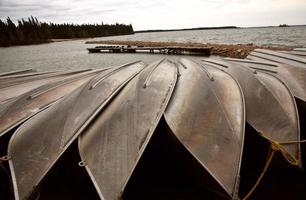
<point x="186" y="29"/>
<point x="210" y="28"/>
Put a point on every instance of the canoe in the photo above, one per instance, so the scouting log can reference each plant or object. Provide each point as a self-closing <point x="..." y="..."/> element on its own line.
<point x="112" y="146"/>
<point x="207" y="115"/>
<point x="59" y="125"/>
<point x="24" y="106"/>
<point x="270" y="106"/>
<point x="293" y="77"/>
<point x="278" y="57"/>
<point x="13" y="87"/>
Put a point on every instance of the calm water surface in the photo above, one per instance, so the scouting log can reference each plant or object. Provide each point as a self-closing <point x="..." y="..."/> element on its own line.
<point x="73" y="54"/>
<point x="65" y="55"/>
<point x="274" y="36"/>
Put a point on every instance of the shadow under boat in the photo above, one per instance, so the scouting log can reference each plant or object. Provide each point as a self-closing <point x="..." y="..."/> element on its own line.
<point x="281" y="180"/>
<point x="166" y="170"/>
<point x="66" y="180"/>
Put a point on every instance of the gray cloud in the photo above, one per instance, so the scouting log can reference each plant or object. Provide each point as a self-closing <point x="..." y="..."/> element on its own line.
<point x="150" y="14"/>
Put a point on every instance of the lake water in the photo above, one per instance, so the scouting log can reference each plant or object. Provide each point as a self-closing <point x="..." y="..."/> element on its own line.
<point x="73" y="54"/>
<point x="274" y="36"/>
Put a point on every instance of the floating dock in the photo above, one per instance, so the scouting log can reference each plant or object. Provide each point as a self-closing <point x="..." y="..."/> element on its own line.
<point x="203" y="51"/>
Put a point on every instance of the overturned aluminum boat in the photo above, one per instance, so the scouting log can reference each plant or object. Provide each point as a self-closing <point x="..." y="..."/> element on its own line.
<point x="216" y="129"/>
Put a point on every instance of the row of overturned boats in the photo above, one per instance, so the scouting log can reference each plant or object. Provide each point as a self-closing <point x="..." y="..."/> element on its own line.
<point x="219" y="128"/>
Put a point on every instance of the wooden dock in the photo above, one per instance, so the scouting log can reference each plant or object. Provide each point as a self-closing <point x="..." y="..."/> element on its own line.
<point x="203" y="51"/>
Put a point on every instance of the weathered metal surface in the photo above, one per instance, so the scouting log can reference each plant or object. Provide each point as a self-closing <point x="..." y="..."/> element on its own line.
<point x="5" y="105"/>
<point x="250" y="57"/>
<point x="270" y="107"/>
<point x="23" y="71"/>
<point x="293" y="77"/>
<point x="206" y="113"/>
<point x="17" y="77"/>
<point x="279" y="57"/>
<point x="113" y="144"/>
<point x="296" y="53"/>
<point x="58" y="126"/>
<point x="12" y="87"/>
<point x="32" y="102"/>
<point x="199" y="112"/>
<point x="10" y="80"/>
<point x="300" y="49"/>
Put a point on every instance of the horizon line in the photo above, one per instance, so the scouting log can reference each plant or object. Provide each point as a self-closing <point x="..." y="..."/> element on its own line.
<point x="217" y="27"/>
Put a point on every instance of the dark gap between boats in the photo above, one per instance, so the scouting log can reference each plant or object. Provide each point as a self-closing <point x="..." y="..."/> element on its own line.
<point x="167" y="170"/>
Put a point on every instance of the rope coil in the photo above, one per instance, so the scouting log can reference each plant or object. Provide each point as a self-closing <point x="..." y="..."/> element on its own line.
<point x="274" y="147"/>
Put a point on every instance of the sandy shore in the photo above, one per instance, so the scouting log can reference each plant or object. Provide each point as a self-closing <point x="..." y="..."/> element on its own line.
<point x="224" y="50"/>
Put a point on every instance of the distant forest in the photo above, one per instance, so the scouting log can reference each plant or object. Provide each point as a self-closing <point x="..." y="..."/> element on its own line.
<point x="187" y="29"/>
<point x="31" y="31"/>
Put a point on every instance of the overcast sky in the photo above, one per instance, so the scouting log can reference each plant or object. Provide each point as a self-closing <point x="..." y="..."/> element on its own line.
<point x="160" y="14"/>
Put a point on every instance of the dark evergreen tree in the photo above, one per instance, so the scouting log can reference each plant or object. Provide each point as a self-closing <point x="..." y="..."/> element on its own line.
<point x="32" y="31"/>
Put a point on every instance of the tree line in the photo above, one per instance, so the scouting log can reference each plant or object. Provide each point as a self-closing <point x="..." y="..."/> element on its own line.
<point x="31" y="31"/>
